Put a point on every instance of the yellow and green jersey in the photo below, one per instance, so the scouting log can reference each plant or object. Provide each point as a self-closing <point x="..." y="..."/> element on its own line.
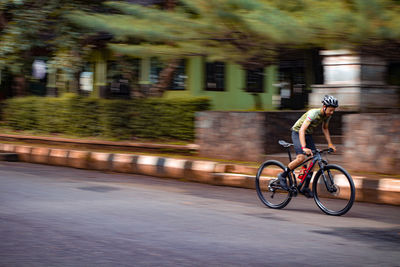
<point x="315" y="116"/>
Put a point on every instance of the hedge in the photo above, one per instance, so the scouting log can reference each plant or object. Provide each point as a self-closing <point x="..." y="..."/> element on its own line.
<point x="120" y="119"/>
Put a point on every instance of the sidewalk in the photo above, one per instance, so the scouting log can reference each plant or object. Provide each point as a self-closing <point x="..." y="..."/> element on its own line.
<point x="166" y="161"/>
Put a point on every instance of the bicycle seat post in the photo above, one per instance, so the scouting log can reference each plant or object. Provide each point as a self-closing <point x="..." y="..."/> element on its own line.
<point x="287" y="145"/>
<point x="290" y="155"/>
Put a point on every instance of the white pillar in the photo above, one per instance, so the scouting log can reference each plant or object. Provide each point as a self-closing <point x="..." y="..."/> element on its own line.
<point x="357" y="81"/>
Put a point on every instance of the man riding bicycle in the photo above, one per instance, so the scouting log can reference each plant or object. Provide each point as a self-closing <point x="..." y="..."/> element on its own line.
<point x="302" y="137"/>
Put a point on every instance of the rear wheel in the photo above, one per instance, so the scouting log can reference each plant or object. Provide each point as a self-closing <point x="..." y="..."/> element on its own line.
<point x="334" y="190"/>
<point x="268" y="189"/>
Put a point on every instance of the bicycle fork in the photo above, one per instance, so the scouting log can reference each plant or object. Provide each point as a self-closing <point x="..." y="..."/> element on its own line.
<point x="329" y="183"/>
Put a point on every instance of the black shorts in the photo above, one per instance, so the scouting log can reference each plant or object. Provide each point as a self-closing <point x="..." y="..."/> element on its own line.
<point x="297" y="144"/>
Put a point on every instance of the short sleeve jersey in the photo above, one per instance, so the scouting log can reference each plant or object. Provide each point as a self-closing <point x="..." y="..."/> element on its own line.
<point x="314" y="116"/>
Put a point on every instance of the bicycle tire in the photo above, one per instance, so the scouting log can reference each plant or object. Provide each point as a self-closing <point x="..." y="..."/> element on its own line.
<point x="343" y="196"/>
<point x="267" y="174"/>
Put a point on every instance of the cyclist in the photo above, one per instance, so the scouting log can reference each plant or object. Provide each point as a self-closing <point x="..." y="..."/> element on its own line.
<point x="302" y="137"/>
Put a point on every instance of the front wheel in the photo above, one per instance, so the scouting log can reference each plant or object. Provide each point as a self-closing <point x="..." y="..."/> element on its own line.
<point x="268" y="189"/>
<point x="334" y="190"/>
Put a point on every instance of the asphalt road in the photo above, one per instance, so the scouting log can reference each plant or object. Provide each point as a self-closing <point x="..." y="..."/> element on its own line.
<point x="56" y="216"/>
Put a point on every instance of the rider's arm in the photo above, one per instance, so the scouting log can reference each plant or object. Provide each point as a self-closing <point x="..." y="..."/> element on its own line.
<point x="325" y="130"/>
<point x="302" y="136"/>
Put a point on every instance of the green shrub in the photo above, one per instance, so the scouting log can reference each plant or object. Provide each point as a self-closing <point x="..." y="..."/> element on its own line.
<point x="121" y="119"/>
<point x="167" y="119"/>
<point x="52" y="115"/>
<point x="116" y="118"/>
<point x="84" y="116"/>
<point x="21" y="113"/>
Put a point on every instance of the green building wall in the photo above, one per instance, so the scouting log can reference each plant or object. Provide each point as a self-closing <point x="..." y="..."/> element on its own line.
<point x="234" y="97"/>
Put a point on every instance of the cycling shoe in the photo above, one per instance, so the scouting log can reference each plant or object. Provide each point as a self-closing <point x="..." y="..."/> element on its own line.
<point x="282" y="181"/>
<point x="307" y="192"/>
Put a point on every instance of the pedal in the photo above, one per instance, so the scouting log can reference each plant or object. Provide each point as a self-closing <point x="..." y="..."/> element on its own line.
<point x="293" y="191"/>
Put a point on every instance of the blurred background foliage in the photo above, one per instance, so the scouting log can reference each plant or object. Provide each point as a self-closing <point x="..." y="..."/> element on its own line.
<point x="249" y="32"/>
<point x="168" y="119"/>
<point x="31" y="28"/>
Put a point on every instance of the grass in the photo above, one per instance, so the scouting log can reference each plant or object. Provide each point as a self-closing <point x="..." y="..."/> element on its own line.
<point x="6" y="130"/>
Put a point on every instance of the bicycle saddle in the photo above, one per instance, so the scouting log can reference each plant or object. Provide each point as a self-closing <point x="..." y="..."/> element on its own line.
<point x="284" y="144"/>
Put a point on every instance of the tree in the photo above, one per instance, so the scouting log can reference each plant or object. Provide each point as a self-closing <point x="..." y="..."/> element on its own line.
<point x="167" y="73"/>
<point x="222" y="29"/>
<point x="252" y="33"/>
<point x="226" y="30"/>
<point x="30" y="28"/>
<point x="217" y="28"/>
<point x="368" y="26"/>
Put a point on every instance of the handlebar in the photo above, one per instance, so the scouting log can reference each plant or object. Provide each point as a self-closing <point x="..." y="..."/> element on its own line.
<point x="328" y="150"/>
<point x="317" y="151"/>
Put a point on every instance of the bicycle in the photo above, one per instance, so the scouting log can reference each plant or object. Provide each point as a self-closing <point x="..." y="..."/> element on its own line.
<point x="332" y="185"/>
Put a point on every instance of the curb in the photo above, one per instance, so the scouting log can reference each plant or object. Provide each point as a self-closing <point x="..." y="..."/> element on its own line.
<point x="197" y="171"/>
<point x="383" y="191"/>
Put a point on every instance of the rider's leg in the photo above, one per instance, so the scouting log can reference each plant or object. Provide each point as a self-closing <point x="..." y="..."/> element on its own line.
<point x="282" y="176"/>
<point x="300" y="157"/>
<point x="306" y="190"/>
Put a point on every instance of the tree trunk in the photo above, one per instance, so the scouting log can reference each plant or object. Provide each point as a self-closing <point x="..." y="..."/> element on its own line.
<point x="19" y="86"/>
<point x="165" y="79"/>
<point x="3" y="21"/>
<point x="169" y="4"/>
<point x="166" y="75"/>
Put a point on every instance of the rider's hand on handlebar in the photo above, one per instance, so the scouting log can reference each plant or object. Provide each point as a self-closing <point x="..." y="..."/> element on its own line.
<point x="332" y="147"/>
<point x="307" y="151"/>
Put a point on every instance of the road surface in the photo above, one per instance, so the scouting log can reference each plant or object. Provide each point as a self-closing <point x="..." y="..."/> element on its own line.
<point x="57" y="216"/>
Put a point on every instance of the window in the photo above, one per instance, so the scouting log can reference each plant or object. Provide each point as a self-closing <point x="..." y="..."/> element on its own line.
<point x="179" y="78"/>
<point x="255" y="80"/>
<point x="85" y="79"/>
<point x="292" y="84"/>
<point x="156" y="67"/>
<point x="393" y="73"/>
<point x="215" y="76"/>
<point x="122" y="77"/>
